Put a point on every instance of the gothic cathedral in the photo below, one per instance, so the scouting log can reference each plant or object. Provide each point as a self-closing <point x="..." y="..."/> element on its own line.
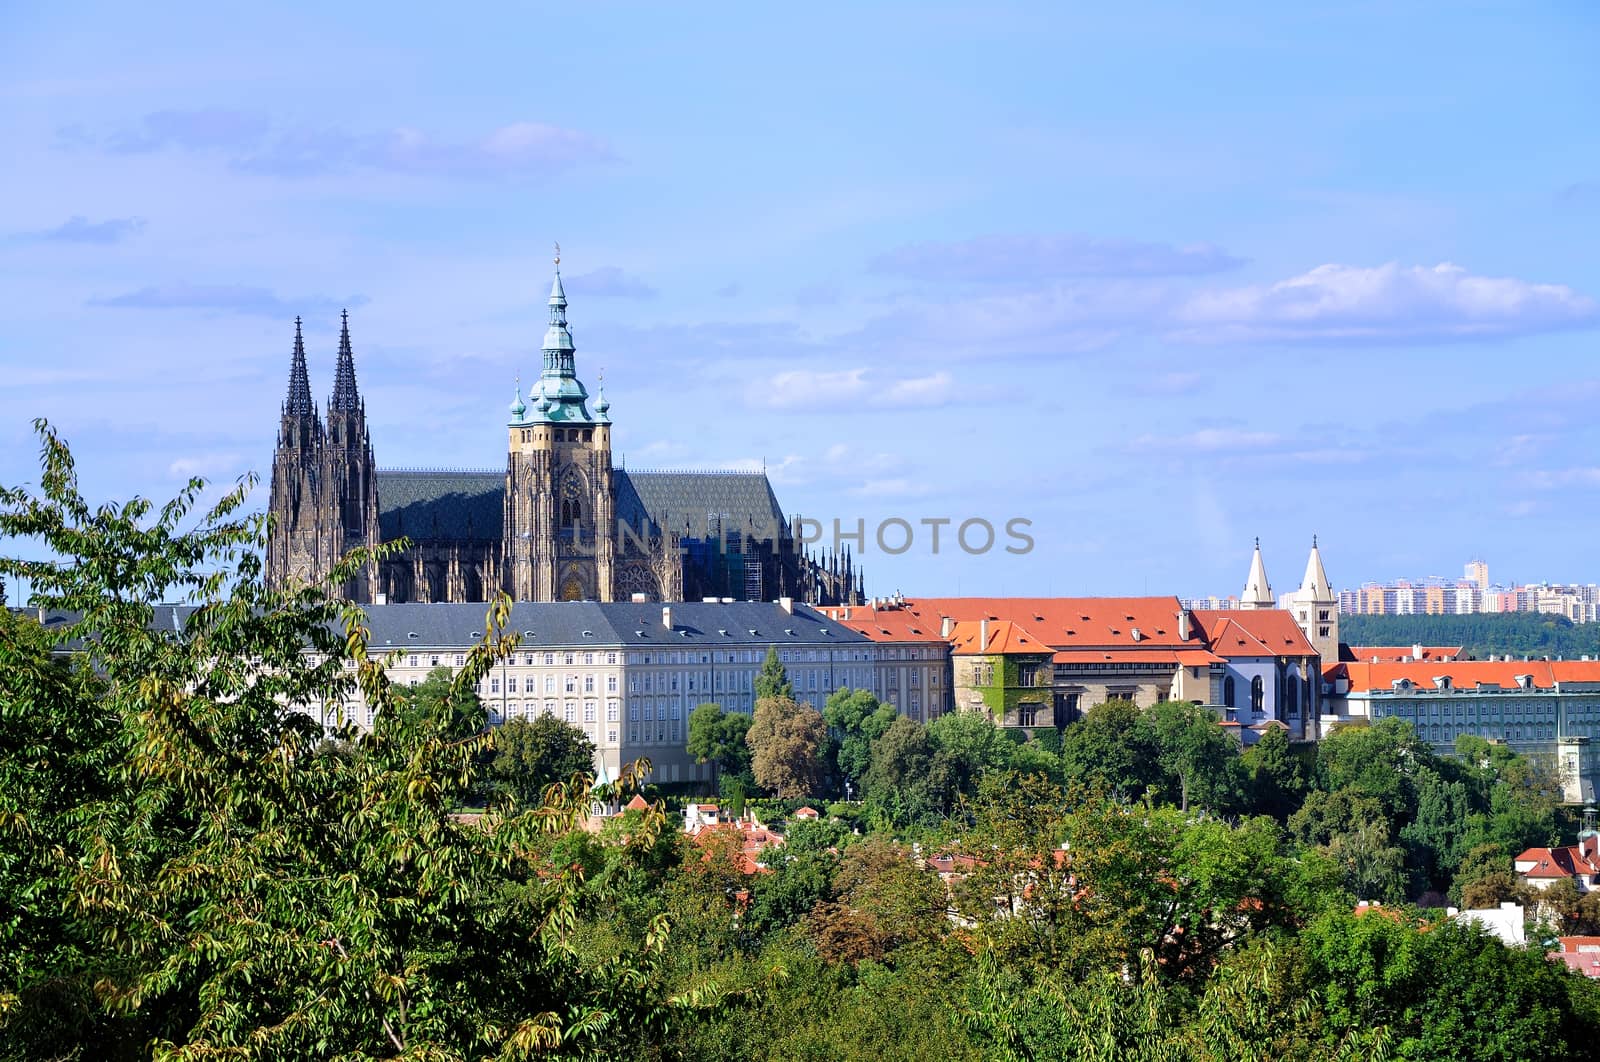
<point x="561" y="523"/>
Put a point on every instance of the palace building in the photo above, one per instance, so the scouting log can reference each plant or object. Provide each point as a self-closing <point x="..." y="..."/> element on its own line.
<point x="560" y="523"/>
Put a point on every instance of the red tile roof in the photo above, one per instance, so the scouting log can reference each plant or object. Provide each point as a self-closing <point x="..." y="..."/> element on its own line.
<point x="1156" y="658"/>
<point x="638" y="803"/>
<point x="1253" y="632"/>
<point x="1539" y="863"/>
<point x="1467" y="674"/>
<point x="890" y="624"/>
<point x="1004" y="637"/>
<point x="1068" y="622"/>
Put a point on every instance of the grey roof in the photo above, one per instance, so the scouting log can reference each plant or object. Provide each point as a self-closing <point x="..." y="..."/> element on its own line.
<point x="619" y="624"/>
<point x="682" y="501"/>
<point x="453" y="505"/>
<point x="470" y="506"/>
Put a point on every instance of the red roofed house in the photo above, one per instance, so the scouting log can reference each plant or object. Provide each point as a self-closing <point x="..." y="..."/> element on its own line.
<point x="1267" y="670"/>
<point x="1540" y="868"/>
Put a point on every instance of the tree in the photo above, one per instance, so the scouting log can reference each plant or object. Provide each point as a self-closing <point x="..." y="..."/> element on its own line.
<point x="530" y="755"/>
<point x="718" y="738"/>
<point x="786" y="742"/>
<point x="882" y="899"/>
<point x="972" y="746"/>
<point x="1109" y="749"/>
<point x="1275" y="782"/>
<point x="908" y="780"/>
<point x="855" y="720"/>
<point x="233" y="889"/>
<point x="1194" y="752"/>
<point x="1379" y="761"/>
<point x="440" y="696"/>
<point x="772" y="680"/>
<point x="1436" y="838"/>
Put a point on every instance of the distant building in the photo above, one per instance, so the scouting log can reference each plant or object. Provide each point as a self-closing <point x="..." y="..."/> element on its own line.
<point x="1548" y="708"/>
<point x="1540" y="868"/>
<point x="1508" y="922"/>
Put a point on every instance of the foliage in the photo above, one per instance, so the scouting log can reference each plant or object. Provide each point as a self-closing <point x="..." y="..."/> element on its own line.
<point x="532" y="754"/>
<point x="786" y="741"/>
<point x="226" y="885"/>
<point x="717" y="737"/>
<point x="855" y="720"/>
<point x="772" y="680"/>
<point x="1517" y="633"/>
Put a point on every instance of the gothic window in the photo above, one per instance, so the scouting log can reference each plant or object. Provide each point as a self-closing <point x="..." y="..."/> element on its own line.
<point x="1291" y="696"/>
<point x="1228" y="692"/>
<point x="1257" y="693"/>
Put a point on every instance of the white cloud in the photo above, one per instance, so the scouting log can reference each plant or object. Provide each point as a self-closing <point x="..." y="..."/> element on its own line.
<point x="810" y="390"/>
<point x="1387" y="302"/>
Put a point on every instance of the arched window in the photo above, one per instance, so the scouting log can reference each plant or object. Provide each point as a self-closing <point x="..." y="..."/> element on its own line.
<point x="1227" y="692"/>
<point x="1291" y="695"/>
<point x="1257" y="694"/>
<point x="577" y="512"/>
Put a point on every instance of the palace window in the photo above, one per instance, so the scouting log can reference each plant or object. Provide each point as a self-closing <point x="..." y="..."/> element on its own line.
<point x="588" y="683"/>
<point x="1027" y="714"/>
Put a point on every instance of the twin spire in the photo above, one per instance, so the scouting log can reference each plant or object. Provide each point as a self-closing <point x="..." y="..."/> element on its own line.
<point x="1258" y="590"/>
<point x="346" y="397"/>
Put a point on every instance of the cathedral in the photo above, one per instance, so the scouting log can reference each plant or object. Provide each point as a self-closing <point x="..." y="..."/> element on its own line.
<point x="561" y="523"/>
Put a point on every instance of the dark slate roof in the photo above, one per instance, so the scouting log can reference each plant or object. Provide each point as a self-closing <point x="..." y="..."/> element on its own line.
<point x="683" y="501"/>
<point x="567" y="624"/>
<point x="470" y="506"/>
<point x="466" y="506"/>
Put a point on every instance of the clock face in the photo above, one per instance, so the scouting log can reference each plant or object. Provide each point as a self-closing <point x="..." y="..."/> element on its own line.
<point x="570" y="490"/>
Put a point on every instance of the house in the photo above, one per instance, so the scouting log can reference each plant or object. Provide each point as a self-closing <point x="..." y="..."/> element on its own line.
<point x="1539" y="868"/>
<point x="806" y="814"/>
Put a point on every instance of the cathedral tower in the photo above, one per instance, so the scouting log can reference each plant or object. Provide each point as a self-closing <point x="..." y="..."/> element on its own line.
<point x="349" y="504"/>
<point x="560" y="506"/>
<point x="294" y="546"/>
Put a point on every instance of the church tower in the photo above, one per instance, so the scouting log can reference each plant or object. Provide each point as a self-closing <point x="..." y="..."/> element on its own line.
<point x="349" y="504"/>
<point x="560" y="507"/>
<point x="1257" y="590"/>
<point x="294" y="545"/>
<point x="1316" y="608"/>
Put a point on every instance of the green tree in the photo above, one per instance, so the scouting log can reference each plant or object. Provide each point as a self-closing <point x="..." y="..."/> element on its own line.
<point x="440" y="696"/>
<point x="1274" y="779"/>
<point x="242" y="893"/>
<point x="1110" y="749"/>
<point x="786" y="741"/>
<point x="530" y="755"/>
<point x="1200" y="760"/>
<point x="1436" y="838"/>
<point x="772" y="680"/>
<point x="717" y="737"/>
<point x="909" y="779"/>
<point x="1379" y="761"/>
<point x="855" y="720"/>
<point x="971" y="746"/>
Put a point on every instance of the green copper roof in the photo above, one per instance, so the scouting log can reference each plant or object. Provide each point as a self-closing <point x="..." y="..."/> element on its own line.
<point x="559" y="396"/>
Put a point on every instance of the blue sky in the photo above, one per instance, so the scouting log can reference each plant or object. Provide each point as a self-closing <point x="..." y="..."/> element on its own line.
<point x="1159" y="280"/>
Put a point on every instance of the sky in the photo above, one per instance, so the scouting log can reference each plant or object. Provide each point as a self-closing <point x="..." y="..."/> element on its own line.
<point x="1157" y="279"/>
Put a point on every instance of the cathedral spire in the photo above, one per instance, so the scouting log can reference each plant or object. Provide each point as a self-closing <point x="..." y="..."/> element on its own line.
<point x="562" y="396"/>
<point x="1257" y="590"/>
<point x="346" y="399"/>
<point x="299" y="402"/>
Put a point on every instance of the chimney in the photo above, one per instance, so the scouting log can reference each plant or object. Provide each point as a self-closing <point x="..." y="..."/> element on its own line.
<point x="983" y="635"/>
<point x="1416" y="652"/>
<point x="947" y="627"/>
<point x="1183" y="625"/>
<point x="666" y="616"/>
<point x="846" y="615"/>
<point x="787" y="604"/>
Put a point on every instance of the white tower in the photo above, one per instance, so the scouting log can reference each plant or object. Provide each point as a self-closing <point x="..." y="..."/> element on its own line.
<point x="1316" y="608"/>
<point x="1257" y="591"/>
